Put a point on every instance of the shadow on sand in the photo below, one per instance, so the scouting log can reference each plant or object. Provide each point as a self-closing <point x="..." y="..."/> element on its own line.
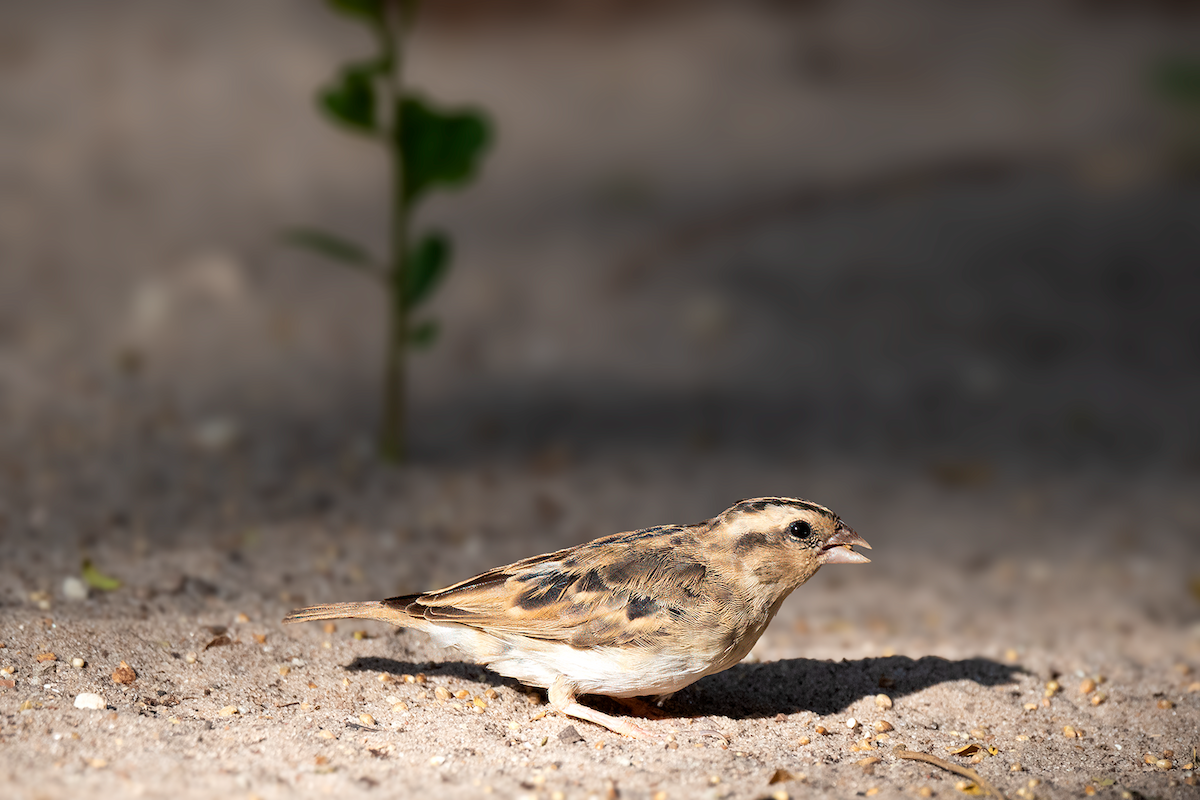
<point x="749" y="691"/>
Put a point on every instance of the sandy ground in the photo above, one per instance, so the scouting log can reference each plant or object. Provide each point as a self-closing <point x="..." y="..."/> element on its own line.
<point x="992" y="376"/>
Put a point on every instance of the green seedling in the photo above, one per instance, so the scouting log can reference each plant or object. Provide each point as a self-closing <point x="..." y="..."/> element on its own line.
<point x="427" y="147"/>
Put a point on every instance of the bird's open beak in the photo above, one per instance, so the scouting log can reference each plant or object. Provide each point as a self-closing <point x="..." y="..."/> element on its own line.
<point x="838" y="549"/>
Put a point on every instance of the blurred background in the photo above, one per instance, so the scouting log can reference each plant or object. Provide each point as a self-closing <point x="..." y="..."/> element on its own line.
<point x="933" y="264"/>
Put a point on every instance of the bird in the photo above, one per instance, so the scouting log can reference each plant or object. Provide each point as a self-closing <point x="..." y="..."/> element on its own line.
<point x="636" y="614"/>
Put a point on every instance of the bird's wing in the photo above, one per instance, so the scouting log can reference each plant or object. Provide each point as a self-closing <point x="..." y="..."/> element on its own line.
<point x="625" y="588"/>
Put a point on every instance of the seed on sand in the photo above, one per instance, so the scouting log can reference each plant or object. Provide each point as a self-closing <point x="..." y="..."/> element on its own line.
<point x="822" y="730"/>
<point x="462" y="694"/>
<point x="228" y="711"/>
<point x="366" y="719"/>
<point x="47" y="657"/>
<point x="883" y="701"/>
<point x="803" y="741"/>
<point x="1088" y="686"/>
<point x="1098" y="698"/>
<point x="442" y="693"/>
<point x="1165" y="704"/>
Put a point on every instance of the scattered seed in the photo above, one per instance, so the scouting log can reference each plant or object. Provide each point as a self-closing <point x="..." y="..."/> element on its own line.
<point x="242" y="617"/>
<point x="462" y="694"/>
<point x="1164" y="763"/>
<point x="1011" y="655"/>
<point x="47" y="657"/>
<point x="329" y="627"/>
<point x="78" y="663"/>
<point x="1098" y="698"/>
<point x="874" y="790"/>
<point x="1165" y="704"/>
<point x="1015" y="767"/>
<point x="479" y="703"/>
<point x="400" y="706"/>
<point x="869" y="761"/>
<point x="1089" y="790"/>
<point x="883" y="701"/>
<point x="442" y="693"/>
<point x="851" y="723"/>
<point x="1069" y="732"/>
<point x="419" y="678"/>
<point x="1031" y="706"/>
<point x="1052" y="688"/>
<point x="1088" y="686"/>
<point x="96" y="763"/>
<point x="1149" y="758"/>
<point x="324" y="734"/>
<point x="124" y="674"/>
<point x="925" y="791"/>
<point x="260" y="638"/>
<point x="965" y="786"/>
<point x="803" y="741"/>
<point x="1193" y="687"/>
<point x="537" y="715"/>
<point x="491" y="694"/>
<point x="228" y="711"/>
<point x="360" y="635"/>
<point x="822" y="731"/>
<point x="284" y="670"/>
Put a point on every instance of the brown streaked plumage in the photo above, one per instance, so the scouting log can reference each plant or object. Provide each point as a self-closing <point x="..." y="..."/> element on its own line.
<point x="640" y="613"/>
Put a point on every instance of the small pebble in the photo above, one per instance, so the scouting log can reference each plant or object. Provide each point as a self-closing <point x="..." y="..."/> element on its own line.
<point x="74" y="588"/>
<point x="92" y="701"/>
<point x="124" y="674"/>
<point x="78" y="663"/>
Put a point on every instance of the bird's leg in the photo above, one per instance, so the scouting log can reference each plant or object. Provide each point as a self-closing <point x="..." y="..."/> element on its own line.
<point x="562" y="699"/>
<point x="642" y="708"/>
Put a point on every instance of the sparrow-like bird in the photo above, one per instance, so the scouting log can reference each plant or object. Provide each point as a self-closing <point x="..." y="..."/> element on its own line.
<point x="634" y="614"/>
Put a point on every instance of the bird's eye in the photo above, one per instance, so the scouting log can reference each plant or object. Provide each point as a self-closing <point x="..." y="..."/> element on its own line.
<point x="799" y="529"/>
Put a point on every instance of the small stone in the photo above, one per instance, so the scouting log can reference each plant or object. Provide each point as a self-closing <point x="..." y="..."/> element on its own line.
<point x="883" y="701"/>
<point x="569" y="735"/>
<point x="90" y="701"/>
<point x="124" y="674"/>
<point x="74" y="589"/>
<point x="78" y="663"/>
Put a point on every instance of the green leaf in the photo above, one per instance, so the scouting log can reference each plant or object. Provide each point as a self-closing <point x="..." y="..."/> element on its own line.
<point x="96" y="579"/>
<point x="331" y="246"/>
<point x="427" y="265"/>
<point x="439" y="147"/>
<point x="350" y="100"/>
<point x="369" y="10"/>
<point x="423" y="334"/>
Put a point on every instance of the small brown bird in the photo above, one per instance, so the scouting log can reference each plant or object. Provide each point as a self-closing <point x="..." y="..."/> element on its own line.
<point x="629" y="615"/>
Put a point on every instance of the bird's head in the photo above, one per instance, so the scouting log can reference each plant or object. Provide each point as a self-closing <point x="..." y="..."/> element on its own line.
<point x="783" y="541"/>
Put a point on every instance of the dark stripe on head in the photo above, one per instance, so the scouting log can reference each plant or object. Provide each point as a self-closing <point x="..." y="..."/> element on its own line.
<point x="763" y="503"/>
<point x="749" y="542"/>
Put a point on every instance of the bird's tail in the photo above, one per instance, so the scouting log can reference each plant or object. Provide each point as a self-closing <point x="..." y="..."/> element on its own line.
<point x="371" y="610"/>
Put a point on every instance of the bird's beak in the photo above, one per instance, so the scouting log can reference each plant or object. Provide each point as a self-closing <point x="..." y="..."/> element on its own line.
<point x="838" y="549"/>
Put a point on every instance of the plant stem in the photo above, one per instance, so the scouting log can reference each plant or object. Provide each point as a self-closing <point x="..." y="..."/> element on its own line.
<point x="392" y="430"/>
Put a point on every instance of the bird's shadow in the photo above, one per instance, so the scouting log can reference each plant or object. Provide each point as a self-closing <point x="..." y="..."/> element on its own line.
<point x="748" y="691"/>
